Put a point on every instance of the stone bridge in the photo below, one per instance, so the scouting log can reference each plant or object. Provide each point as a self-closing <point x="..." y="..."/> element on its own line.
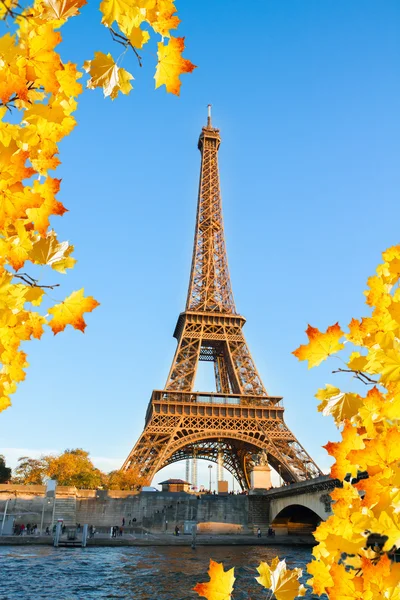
<point x="298" y="507"/>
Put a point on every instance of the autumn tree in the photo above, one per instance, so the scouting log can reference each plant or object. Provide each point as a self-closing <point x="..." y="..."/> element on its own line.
<point x="74" y="468"/>
<point x="39" y="94"/>
<point x="5" y="472"/>
<point x="124" y="480"/>
<point x="30" y="470"/>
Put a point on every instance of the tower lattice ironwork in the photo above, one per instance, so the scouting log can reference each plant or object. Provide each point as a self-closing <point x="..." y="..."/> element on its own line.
<point x="240" y="420"/>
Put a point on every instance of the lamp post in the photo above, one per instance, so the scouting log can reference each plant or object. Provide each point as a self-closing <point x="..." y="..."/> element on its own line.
<point x="209" y="468"/>
<point x="280" y="476"/>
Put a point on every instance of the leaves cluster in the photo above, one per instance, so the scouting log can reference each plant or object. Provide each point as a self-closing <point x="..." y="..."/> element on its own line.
<point x="129" y="23"/>
<point x="38" y="99"/>
<point x="367" y="457"/>
<point x="282" y="582"/>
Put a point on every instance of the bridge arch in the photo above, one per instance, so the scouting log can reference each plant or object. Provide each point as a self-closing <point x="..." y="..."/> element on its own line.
<point x="296" y="519"/>
<point x="310" y="502"/>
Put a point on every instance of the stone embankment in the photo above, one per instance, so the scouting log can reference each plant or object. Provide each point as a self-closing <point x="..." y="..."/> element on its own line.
<point x="170" y="540"/>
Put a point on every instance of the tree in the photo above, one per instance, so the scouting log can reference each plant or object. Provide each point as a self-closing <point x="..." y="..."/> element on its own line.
<point x="74" y="467"/>
<point x="38" y="97"/>
<point x="30" y="470"/>
<point x="5" y="472"/>
<point x="125" y="480"/>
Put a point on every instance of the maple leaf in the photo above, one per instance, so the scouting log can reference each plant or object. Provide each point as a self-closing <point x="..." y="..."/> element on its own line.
<point x="320" y="345"/>
<point x="360" y="331"/>
<point x="220" y="585"/>
<point x="338" y="404"/>
<point x="388" y="526"/>
<point x="105" y="73"/>
<point x="344" y="586"/>
<point x="322" y="577"/>
<point x="113" y="10"/>
<point x="137" y="36"/>
<point x="282" y="581"/>
<point x="379" y="453"/>
<point x="61" y="9"/>
<point x="357" y="362"/>
<point x="48" y="206"/>
<point x="171" y="65"/>
<point x="339" y="450"/>
<point x="67" y="78"/>
<point x="70" y="312"/>
<point x="48" y="251"/>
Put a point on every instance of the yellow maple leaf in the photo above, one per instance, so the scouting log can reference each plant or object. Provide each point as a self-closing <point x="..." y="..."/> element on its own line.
<point x="385" y="362"/>
<point x="171" y="65"/>
<point x="220" y="585"/>
<point x="389" y="526"/>
<point x="320" y="345"/>
<point x="70" y="312"/>
<point x="322" y="577"/>
<point x="373" y="409"/>
<point x="113" y="10"/>
<point x="338" y="404"/>
<point x="282" y="581"/>
<point x="61" y="9"/>
<point x="360" y="331"/>
<point x="137" y="36"/>
<point x="105" y="73"/>
<point x="344" y="585"/>
<point x="67" y="78"/>
<point x="339" y="450"/>
<point x="48" y="251"/>
<point x="46" y="192"/>
<point x="379" y="453"/>
<point x="357" y="362"/>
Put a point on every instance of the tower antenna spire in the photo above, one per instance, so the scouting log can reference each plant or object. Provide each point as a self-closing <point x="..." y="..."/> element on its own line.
<point x="209" y="115"/>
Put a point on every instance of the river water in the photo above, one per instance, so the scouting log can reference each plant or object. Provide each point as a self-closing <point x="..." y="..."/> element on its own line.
<point x="132" y="573"/>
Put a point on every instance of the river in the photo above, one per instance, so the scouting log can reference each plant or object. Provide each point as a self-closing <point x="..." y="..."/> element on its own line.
<point x="132" y="573"/>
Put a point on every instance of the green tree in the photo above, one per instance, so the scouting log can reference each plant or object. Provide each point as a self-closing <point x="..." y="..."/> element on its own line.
<point x="5" y="472"/>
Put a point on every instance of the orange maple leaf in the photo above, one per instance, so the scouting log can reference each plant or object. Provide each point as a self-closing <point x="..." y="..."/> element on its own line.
<point x="70" y="312"/>
<point x="339" y="450"/>
<point x="220" y="585"/>
<point x="320" y="345"/>
<point x="171" y="65"/>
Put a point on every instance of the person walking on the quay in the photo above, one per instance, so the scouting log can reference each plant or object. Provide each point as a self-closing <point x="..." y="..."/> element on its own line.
<point x="258" y="532"/>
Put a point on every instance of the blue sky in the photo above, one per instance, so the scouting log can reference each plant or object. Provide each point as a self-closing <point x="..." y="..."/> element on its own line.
<point x="306" y="96"/>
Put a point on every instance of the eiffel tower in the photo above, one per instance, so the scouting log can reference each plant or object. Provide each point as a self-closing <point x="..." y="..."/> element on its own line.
<point x="240" y="422"/>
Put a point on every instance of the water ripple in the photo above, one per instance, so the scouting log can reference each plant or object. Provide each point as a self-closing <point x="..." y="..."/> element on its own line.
<point x="131" y="573"/>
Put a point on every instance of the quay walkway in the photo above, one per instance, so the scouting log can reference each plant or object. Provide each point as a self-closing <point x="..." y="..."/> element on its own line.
<point x="102" y="540"/>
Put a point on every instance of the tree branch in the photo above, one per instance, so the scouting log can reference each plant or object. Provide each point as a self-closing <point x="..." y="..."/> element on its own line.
<point x="121" y="39"/>
<point x="359" y="375"/>
<point x="34" y="282"/>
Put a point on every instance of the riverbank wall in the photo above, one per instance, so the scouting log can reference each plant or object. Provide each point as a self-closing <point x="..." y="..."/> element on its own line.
<point x="151" y="512"/>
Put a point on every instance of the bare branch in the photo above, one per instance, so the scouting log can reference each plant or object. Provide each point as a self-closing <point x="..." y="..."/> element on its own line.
<point x="121" y="39"/>
<point x="359" y="375"/>
<point x="34" y="282"/>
